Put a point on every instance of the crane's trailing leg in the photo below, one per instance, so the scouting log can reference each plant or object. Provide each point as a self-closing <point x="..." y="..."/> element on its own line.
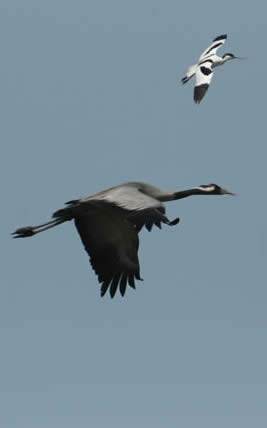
<point x="25" y="232"/>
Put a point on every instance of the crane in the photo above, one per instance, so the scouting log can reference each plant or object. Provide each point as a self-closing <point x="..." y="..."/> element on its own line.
<point x="108" y="223"/>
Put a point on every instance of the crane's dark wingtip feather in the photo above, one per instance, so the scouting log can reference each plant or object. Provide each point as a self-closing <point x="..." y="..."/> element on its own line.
<point x="104" y="288"/>
<point x="121" y="281"/>
<point x="114" y="285"/>
<point x="123" y="284"/>
<point x="131" y="280"/>
<point x="72" y="202"/>
<point x="222" y="37"/>
<point x="174" y="222"/>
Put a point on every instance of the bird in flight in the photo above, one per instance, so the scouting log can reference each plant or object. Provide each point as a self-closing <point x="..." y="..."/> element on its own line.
<point x="108" y="223"/>
<point x="203" y="70"/>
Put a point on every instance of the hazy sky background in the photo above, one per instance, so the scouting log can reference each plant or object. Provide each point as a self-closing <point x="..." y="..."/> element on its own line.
<point x="91" y="97"/>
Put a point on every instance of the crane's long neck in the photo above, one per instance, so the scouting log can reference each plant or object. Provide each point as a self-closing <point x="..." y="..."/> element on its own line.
<point x="172" y="196"/>
<point x="189" y="192"/>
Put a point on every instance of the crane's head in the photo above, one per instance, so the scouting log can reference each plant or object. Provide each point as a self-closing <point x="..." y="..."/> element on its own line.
<point x="213" y="189"/>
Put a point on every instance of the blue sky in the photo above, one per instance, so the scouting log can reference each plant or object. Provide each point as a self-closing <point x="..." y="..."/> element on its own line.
<point x="91" y="97"/>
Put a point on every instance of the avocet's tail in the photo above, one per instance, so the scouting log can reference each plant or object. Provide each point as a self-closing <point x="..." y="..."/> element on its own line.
<point x="190" y="73"/>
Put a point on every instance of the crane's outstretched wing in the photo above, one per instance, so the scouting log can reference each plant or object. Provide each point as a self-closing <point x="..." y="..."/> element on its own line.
<point x="128" y="197"/>
<point x="212" y="49"/>
<point x="203" y="78"/>
<point x="108" y="223"/>
<point x="140" y="208"/>
<point x="112" y="244"/>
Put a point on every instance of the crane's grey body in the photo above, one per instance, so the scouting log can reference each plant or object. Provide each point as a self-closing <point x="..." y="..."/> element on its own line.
<point x="109" y="222"/>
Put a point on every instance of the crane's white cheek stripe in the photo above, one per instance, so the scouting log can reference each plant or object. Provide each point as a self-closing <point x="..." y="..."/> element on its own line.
<point x="206" y="189"/>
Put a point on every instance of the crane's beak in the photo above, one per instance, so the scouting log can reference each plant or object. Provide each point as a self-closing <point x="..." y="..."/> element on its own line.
<point x="227" y="192"/>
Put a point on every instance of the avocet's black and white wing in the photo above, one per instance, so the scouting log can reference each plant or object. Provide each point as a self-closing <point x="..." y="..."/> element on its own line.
<point x="212" y="49"/>
<point x="203" y="78"/>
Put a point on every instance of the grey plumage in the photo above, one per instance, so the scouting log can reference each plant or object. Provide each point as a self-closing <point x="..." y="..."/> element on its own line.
<point x="109" y="222"/>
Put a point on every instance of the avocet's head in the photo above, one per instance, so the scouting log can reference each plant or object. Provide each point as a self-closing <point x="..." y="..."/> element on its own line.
<point x="213" y="189"/>
<point x="228" y="56"/>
